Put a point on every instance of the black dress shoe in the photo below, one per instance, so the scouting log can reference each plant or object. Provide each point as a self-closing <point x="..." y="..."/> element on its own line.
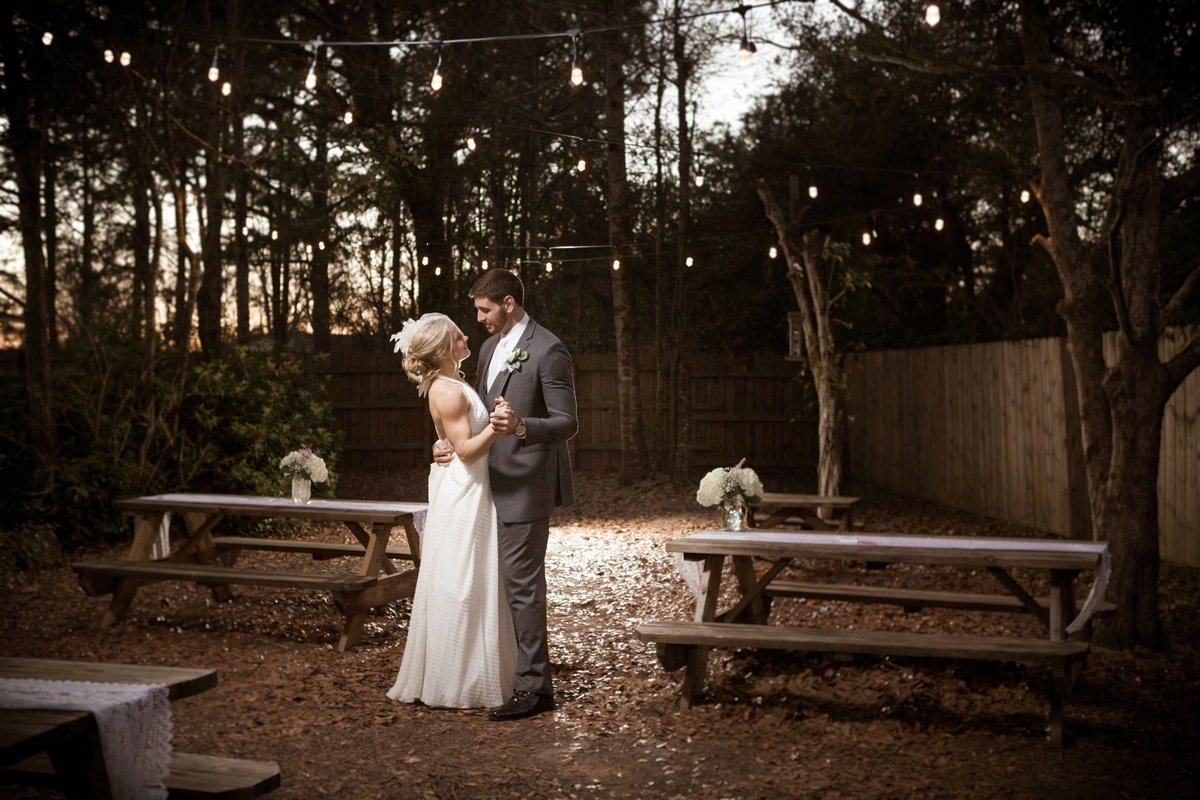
<point x="521" y="705"/>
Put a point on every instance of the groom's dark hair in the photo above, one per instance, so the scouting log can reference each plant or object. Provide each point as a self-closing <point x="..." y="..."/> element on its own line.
<point x="497" y="284"/>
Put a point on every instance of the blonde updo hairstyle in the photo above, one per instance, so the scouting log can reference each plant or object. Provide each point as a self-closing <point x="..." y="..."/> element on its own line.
<point x="432" y="341"/>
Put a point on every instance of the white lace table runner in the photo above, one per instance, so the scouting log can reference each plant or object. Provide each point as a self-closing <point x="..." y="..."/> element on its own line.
<point x="134" y="720"/>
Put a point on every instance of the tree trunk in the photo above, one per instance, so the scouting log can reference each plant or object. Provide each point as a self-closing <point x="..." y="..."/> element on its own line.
<point x="812" y="277"/>
<point x="26" y="141"/>
<point x="319" y="266"/>
<point x="241" y="252"/>
<point x="683" y="67"/>
<point x="50" y="190"/>
<point x="633" y="440"/>
<point x="1121" y="406"/>
<point x="212" y="284"/>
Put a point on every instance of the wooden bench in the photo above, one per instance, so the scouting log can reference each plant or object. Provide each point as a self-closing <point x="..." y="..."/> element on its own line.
<point x="102" y="577"/>
<point x="911" y="599"/>
<point x="686" y="644"/>
<point x="320" y="551"/>
<point x="192" y="776"/>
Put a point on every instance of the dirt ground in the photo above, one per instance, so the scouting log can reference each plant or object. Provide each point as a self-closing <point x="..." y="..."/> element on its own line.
<point x="768" y="725"/>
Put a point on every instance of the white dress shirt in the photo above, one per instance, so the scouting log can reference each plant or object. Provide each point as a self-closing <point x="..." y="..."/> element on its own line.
<point x="504" y="349"/>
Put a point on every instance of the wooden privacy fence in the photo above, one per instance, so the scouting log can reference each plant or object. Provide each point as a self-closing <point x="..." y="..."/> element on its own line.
<point x="747" y="405"/>
<point x="980" y="427"/>
<point x="988" y="428"/>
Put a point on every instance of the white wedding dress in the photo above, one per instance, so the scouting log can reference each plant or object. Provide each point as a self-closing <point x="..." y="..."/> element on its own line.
<point x="461" y="647"/>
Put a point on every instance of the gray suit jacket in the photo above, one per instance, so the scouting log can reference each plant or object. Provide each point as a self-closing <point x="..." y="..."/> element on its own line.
<point x="531" y="476"/>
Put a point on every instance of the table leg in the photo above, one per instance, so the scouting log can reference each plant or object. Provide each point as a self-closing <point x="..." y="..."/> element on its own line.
<point x="144" y="537"/>
<point x="693" y="677"/>
<point x="201" y="543"/>
<point x="710" y="585"/>
<point x="748" y="580"/>
<point x="1062" y="611"/>
<point x="79" y="766"/>
<point x="372" y="563"/>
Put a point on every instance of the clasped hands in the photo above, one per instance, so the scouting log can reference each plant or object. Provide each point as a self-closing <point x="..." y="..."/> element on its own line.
<point x="504" y="423"/>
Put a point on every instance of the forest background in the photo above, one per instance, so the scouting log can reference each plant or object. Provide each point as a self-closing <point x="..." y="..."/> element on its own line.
<point x="203" y="196"/>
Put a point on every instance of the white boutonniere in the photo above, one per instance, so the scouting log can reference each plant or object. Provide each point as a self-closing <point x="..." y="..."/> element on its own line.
<point x="515" y="359"/>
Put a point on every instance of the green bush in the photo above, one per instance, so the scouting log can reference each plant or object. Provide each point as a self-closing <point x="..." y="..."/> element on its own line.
<point x="130" y="425"/>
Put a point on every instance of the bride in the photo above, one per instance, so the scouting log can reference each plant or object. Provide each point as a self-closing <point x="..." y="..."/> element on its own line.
<point x="461" y="648"/>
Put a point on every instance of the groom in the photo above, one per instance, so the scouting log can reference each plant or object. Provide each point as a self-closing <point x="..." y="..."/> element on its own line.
<point x="528" y="370"/>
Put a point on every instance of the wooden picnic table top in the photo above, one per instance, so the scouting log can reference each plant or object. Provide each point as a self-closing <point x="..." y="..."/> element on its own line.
<point x="897" y="548"/>
<point x="334" y="510"/>
<point x="812" y="500"/>
<point x="180" y="681"/>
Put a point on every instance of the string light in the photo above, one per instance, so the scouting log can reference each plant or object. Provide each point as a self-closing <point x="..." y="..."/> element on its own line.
<point x="812" y="191"/>
<point x="436" y="81"/>
<point x="576" y="72"/>
<point x="320" y="245"/>
<point x="866" y="238"/>
<point x="424" y="261"/>
<point x="773" y="252"/>
<point x="747" y="48"/>
<point x="933" y="15"/>
<point x="483" y="264"/>
<point x="437" y="271"/>
<point x="917" y="199"/>
<point x="308" y="249"/>
<point x="310" y="81"/>
<point x="471" y="143"/>
<point x="226" y="88"/>
<point x="214" y="72"/>
<point x="939" y="223"/>
<point x="108" y="56"/>
<point x="274" y="235"/>
<point x="1024" y="195"/>
<point x="687" y="262"/>
<point x="616" y="264"/>
<point x="348" y="117"/>
<point x="125" y="58"/>
<point x="581" y="166"/>
<point x="47" y="38"/>
<point x="549" y="267"/>
<point x="699" y="180"/>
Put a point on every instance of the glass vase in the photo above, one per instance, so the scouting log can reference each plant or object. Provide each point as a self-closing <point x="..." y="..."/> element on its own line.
<point x="733" y="515"/>
<point x="301" y="489"/>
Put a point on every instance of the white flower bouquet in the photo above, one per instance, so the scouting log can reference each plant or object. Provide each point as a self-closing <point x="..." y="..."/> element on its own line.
<point x="725" y="485"/>
<point x="305" y="463"/>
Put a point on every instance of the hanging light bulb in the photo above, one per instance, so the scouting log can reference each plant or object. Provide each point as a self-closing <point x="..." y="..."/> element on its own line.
<point x="244" y="230"/>
<point x="226" y="88"/>
<point x="812" y="191"/>
<point x="320" y="245"/>
<point x="308" y="249"/>
<point x="348" y="117"/>
<point x="687" y="262"/>
<point x="616" y="264"/>
<point x="576" y="72"/>
<point x="549" y="267"/>
<point x="483" y="264"/>
<point x="939" y="223"/>
<point x="47" y="38"/>
<point x="699" y="180"/>
<point x="274" y="235"/>
<point x="917" y="199"/>
<point x="125" y="58"/>
<point x="310" y="81"/>
<point x="436" y="82"/>
<point x="437" y="270"/>
<point x="581" y="166"/>
<point x="746" y="48"/>
<point x="933" y="15"/>
<point x="108" y="56"/>
<point x="214" y="72"/>
<point x="471" y="143"/>
<point x="773" y="252"/>
<point x="1024" y="195"/>
<point x="866" y="237"/>
<point x="424" y="261"/>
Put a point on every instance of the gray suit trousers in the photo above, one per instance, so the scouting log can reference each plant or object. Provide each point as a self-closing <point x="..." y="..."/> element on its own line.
<point x="523" y="556"/>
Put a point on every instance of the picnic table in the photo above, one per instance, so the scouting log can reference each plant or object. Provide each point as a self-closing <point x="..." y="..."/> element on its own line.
<point x="701" y="557"/>
<point x="62" y="747"/>
<point x="204" y="558"/>
<point x="805" y="510"/>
